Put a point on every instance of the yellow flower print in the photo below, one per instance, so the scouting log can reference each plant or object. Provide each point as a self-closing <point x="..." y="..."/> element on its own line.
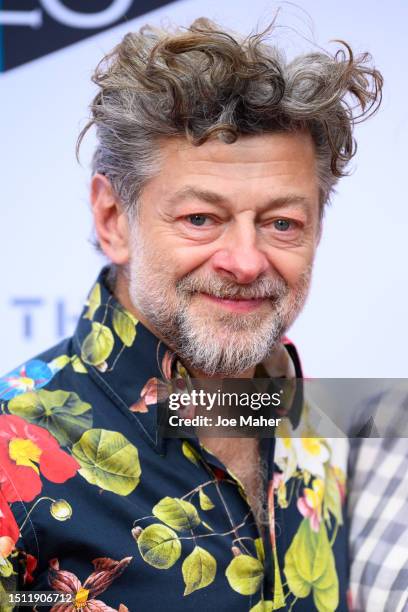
<point x="310" y="505"/>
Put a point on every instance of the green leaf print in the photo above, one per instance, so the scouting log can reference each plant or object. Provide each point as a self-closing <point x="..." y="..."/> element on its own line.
<point x="207" y="526"/>
<point x="198" y="570"/>
<point x="61" y="510"/>
<point x="278" y="595"/>
<point x="245" y="574"/>
<point x="159" y="546"/>
<point x="190" y="453"/>
<point x="94" y="301"/>
<point x="262" y="606"/>
<point x="108" y="460"/>
<point x="205" y="501"/>
<point x="309" y="564"/>
<point x="260" y="551"/>
<point x="6" y="569"/>
<point x="177" y="513"/>
<point x="124" y="325"/>
<point x="60" y="362"/>
<point x="5" y="607"/>
<point x="97" y="345"/>
<point x="77" y="365"/>
<point x="62" y="413"/>
<point x="332" y="498"/>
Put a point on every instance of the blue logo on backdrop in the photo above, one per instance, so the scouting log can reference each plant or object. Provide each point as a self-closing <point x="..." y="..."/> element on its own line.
<point x="31" y="313"/>
<point x="35" y="28"/>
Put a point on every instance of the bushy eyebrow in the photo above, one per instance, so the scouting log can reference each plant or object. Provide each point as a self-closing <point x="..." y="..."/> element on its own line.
<point x="212" y="197"/>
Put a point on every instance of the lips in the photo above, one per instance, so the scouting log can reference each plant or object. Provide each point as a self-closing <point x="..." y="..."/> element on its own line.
<point x="236" y="303"/>
<point x="237" y="298"/>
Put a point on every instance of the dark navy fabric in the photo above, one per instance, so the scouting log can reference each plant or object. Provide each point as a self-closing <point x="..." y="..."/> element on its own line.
<point x="114" y="476"/>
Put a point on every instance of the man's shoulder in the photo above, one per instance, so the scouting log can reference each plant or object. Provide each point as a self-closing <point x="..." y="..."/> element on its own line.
<point x="40" y="371"/>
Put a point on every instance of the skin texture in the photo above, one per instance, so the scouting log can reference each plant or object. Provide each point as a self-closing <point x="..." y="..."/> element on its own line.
<point x="219" y="221"/>
<point x="243" y="189"/>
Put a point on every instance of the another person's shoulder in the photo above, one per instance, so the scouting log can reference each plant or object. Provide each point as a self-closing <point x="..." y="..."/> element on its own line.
<point x="378" y="504"/>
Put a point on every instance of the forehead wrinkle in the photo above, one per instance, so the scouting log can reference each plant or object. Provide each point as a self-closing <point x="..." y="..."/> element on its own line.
<point x="205" y="195"/>
<point x="212" y="197"/>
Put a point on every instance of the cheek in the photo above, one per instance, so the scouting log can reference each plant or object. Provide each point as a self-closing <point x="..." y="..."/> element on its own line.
<point x="184" y="260"/>
<point x="291" y="264"/>
<point x="172" y="253"/>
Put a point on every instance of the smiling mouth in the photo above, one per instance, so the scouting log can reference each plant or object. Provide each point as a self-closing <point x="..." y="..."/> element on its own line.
<point x="236" y="303"/>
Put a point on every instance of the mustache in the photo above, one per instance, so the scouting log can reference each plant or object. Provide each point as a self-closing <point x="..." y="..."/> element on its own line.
<point x="266" y="288"/>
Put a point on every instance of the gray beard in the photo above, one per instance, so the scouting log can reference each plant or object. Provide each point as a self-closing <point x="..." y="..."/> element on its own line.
<point x="223" y="343"/>
<point x="202" y="348"/>
<point x="227" y="344"/>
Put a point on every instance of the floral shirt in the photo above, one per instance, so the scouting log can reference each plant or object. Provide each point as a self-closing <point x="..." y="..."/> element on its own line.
<point x="95" y="504"/>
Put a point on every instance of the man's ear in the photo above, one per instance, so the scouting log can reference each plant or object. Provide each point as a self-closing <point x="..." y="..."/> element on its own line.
<point x="111" y="223"/>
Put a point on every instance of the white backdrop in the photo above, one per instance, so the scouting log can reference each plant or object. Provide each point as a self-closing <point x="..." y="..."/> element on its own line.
<point x="354" y="322"/>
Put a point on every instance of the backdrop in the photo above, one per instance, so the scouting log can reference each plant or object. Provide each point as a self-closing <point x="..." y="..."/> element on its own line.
<point x="354" y="322"/>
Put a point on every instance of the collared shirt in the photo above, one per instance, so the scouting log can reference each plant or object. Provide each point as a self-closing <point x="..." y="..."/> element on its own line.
<point x="96" y="505"/>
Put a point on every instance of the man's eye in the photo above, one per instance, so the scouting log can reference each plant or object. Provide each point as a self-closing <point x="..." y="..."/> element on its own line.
<point x="197" y="220"/>
<point x="282" y="225"/>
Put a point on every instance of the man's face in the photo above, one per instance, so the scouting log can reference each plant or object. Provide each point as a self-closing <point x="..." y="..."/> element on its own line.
<point x="221" y="254"/>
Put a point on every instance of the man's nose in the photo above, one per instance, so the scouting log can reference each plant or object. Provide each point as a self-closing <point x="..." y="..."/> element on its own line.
<point x="240" y="257"/>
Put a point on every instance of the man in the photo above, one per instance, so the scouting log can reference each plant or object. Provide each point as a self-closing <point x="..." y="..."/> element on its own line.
<point x="215" y="159"/>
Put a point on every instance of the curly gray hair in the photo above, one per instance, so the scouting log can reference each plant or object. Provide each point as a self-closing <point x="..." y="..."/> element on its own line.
<point x="202" y="81"/>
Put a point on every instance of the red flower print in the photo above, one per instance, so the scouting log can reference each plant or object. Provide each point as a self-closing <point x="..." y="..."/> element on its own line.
<point x="26" y="450"/>
<point x="9" y="531"/>
<point x="30" y="566"/>
<point x="106" y="570"/>
<point x="219" y="473"/>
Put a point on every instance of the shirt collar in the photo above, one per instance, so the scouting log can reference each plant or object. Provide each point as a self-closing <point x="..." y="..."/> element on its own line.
<point x="134" y="368"/>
